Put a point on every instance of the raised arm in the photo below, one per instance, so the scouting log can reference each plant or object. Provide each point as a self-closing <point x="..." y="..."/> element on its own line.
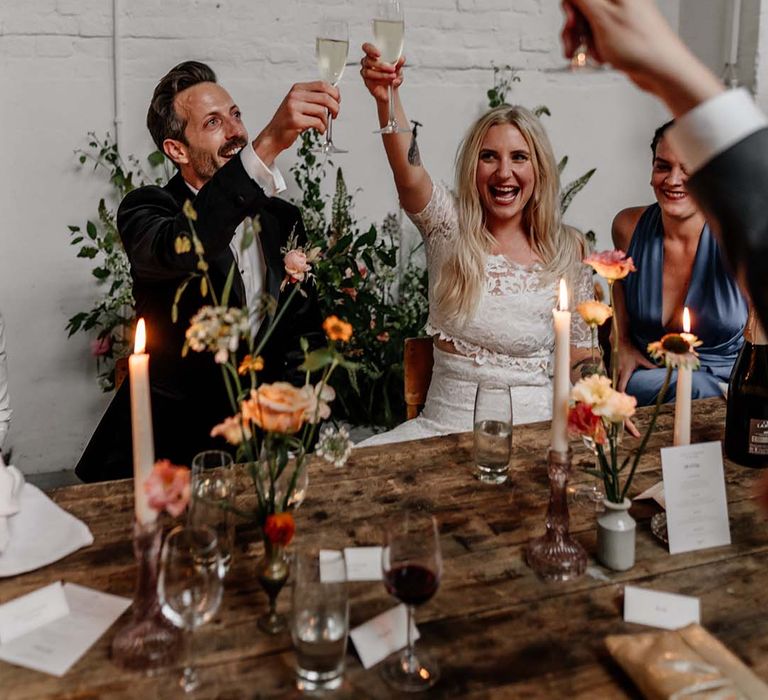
<point x="414" y="186"/>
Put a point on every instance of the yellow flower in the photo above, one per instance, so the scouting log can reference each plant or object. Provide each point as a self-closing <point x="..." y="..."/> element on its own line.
<point x="251" y="364"/>
<point x="189" y="211"/>
<point x="182" y="245"/>
<point x="336" y="329"/>
<point x="594" y="313"/>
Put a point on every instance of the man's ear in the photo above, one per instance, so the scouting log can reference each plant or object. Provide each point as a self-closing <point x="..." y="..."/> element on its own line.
<point x="176" y="151"/>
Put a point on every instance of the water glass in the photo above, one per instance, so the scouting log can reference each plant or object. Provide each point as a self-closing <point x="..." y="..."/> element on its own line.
<point x="320" y="619"/>
<point x="213" y="498"/>
<point x="492" y="432"/>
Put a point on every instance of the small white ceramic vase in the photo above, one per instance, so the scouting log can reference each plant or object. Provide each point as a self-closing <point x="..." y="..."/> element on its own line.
<point x="616" y="536"/>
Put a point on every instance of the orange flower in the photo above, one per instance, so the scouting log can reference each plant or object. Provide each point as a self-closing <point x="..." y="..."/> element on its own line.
<point x="280" y="528"/>
<point x="336" y="329"/>
<point x="594" y="313"/>
<point x="168" y="487"/>
<point x="279" y="407"/>
<point x="582" y="421"/>
<point x="611" y="264"/>
<point x="251" y="364"/>
<point x="233" y="429"/>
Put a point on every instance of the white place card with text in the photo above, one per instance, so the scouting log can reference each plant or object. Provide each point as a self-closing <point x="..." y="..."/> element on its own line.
<point x="363" y="563"/>
<point x="385" y="634"/>
<point x="668" y="611"/>
<point x="694" y="491"/>
<point x="33" y="610"/>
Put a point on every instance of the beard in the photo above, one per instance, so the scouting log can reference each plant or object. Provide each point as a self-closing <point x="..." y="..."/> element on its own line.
<point x="205" y="164"/>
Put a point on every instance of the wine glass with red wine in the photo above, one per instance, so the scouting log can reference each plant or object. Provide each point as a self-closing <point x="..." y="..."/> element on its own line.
<point x="412" y="566"/>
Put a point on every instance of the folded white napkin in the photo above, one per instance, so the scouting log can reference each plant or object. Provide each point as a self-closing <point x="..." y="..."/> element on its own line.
<point x="40" y="533"/>
<point x="11" y="483"/>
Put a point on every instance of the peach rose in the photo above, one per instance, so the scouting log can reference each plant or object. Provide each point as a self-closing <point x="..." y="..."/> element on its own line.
<point x="233" y="429"/>
<point x="594" y="313"/>
<point x="611" y="264"/>
<point x="168" y="487"/>
<point x="279" y="407"/>
<point x="296" y="265"/>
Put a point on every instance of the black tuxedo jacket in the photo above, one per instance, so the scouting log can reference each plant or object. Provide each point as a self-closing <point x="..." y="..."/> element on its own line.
<point x="731" y="191"/>
<point x="188" y="394"/>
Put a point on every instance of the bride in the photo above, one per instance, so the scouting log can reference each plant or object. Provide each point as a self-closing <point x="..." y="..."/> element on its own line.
<point x="495" y="252"/>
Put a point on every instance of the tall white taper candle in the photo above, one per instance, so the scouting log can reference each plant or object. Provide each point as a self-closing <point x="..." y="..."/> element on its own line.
<point x="561" y="384"/>
<point x="141" y="423"/>
<point x="682" y="429"/>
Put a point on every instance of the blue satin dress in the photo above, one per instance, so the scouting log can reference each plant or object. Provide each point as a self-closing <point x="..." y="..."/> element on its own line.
<point x="718" y="310"/>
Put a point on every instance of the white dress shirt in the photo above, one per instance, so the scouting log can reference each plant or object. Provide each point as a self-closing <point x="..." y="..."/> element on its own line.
<point x="5" y="404"/>
<point x="714" y="126"/>
<point x="250" y="262"/>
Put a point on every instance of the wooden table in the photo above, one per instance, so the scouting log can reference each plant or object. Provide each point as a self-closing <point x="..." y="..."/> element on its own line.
<point x="497" y="630"/>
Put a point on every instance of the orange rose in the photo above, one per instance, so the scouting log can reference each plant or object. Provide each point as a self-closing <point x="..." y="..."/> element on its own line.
<point x="280" y="528"/>
<point x="336" y="329"/>
<point x="611" y="264"/>
<point x="279" y="407"/>
<point x="594" y="313"/>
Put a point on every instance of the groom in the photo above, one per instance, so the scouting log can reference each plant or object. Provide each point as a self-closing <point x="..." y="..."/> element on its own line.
<point x="227" y="177"/>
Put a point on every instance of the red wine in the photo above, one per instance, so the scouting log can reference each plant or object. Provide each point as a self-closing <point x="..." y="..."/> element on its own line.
<point x="746" y="421"/>
<point x="413" y="584"/>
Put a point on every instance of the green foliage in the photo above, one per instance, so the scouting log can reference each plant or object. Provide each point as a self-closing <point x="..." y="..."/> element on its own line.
<point x="112" y="313"/>
<point x="367" y="279"/>
<point x="502" y="83"/>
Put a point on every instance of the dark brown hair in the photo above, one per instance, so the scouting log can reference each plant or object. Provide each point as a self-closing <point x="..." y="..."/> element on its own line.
<point x="162" y="120"/>
<point x="658" y="134"/>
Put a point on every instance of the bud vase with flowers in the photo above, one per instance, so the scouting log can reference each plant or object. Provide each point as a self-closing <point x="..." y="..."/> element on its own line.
<point x="273" y="425"/>
<point x="598" y="412"/>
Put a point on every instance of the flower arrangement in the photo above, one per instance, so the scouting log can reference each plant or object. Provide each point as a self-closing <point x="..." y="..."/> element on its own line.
<point x="598" y="411"/>
<point x="273" y="424"/>
<point x="167" y="488"/>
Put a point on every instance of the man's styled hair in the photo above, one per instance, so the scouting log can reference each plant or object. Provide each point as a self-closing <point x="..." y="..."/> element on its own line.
<point x="658" y="134"/>
<point x="162" y="120"/>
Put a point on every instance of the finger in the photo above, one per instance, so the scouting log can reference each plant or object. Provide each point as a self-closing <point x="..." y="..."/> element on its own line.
<point x="317" y="86"/>
<point x="381" y="76"/>
<point x="623" y="379"/>
<point x="568" y="34"/>
<point x="316" y="123"/>
<point x="631" y="428"/>
<point x="371" y="50"/>
<point x="645" y="362"/>
<point x="373" y="64"/>
<point x="317" y="100"/>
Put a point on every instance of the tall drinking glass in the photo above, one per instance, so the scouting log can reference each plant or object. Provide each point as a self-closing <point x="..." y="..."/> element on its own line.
<point x="213" y="498"/>
<point x="388" y="36"/>
<point x="492" y="432"/>
<point x="331" y="49"/>
<point x="320" y="619"/>
<point x="412" y="566"/>
<point x="190" y="586"/>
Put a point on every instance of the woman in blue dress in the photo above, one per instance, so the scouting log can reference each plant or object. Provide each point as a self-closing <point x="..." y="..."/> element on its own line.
<point x="678" y="264"/>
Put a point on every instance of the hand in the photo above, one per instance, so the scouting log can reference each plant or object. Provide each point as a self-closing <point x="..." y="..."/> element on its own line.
<point x="378" y="75"/>
<point x="633" y="36"/>
<point x="630" y="358"/>
<point x="306" y="106"/>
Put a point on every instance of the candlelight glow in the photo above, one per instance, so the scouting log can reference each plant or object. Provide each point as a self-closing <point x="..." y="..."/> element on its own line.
<point x="140" y="341"/>
<point x="686" y="320"/>
<point x="563" y="296"/>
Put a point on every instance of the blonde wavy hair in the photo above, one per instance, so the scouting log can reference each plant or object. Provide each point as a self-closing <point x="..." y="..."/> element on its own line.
<point x="461" y="278"/>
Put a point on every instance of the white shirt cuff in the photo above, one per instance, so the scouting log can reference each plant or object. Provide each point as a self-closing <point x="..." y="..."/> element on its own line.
<point x="269" y="179"/>
<point x="714" y="126"/>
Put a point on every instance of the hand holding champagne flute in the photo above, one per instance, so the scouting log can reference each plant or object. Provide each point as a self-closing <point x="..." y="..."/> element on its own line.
<point x="331" y="49"/>
<point x="388" y="35"/>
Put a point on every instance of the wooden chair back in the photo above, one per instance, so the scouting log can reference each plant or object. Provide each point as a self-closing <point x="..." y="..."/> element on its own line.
<point x="417" y="373"/>
<point x="121" y="371"/>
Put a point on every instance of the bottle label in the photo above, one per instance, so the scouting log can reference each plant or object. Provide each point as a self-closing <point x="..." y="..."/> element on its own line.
<point x="758" y="436"/>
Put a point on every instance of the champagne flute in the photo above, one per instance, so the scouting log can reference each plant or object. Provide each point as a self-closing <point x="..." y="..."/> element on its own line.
<point x="190" y="586"/>
<point x="388" y="31"/>
<point x="412" y="565"/>
<point x="331" y="49"/>
<point x="581" y="61"/>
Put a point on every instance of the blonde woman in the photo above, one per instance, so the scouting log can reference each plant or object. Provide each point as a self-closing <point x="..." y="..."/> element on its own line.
<point x="496" y="250"/>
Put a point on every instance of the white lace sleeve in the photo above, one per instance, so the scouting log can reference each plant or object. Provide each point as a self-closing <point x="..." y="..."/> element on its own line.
<point x="438" y="221"/>
<point x="584" y="290"/>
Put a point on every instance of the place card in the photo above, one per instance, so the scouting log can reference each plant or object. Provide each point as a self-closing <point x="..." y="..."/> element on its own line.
<point x="669" y="611"/>
<point x="383" y="635"/>
<point x="654" y="493"/>
<point x="55" y="647"/>
<point x="33" y="610"/>
<point x="694" y="491"/>
<point x="363" y="563"/>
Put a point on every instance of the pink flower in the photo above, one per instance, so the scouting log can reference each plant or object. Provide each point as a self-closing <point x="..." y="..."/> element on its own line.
<point x="351" y="293"/>
<point x="101" y="346"/>
<point x="611" y="264"/>
<point x="233" y="429"/>
<point x="383" y="337"/>
<point x="362" y="270"/>
<point x="296" y="265"/>
<point x="168" y="487"/>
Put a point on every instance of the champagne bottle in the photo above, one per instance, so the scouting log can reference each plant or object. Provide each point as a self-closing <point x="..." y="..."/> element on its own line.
<point x="746" y="420"/>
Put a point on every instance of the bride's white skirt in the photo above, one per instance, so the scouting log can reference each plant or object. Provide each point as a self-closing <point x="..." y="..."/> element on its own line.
<point x="450" y="401"/>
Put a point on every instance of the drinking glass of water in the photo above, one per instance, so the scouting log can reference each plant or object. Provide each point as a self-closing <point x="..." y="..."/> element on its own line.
<point x="320" y="619"/>
<point x="331" y="49"/>
<point x="493" y="432"/>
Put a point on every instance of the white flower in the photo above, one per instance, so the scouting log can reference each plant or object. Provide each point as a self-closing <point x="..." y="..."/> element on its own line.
<point x="217" y="329"/>
<point x="592" y="390"/>
<point x="616" y="407"/>
<point x="334" y="445"/>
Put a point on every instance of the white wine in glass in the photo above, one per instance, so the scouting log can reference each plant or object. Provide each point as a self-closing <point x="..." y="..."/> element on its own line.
<point x="388" y="36"/>
<point x="331" y="49"/>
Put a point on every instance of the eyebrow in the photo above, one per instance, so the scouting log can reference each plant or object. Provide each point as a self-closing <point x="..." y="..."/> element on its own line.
<point x="516" y="150"/>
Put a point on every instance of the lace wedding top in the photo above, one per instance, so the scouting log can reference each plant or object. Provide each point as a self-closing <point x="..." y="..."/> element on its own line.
<point x="512" y="325"/>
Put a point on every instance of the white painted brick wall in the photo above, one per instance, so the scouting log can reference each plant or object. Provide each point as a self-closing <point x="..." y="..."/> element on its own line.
<point x="56" y="84"/>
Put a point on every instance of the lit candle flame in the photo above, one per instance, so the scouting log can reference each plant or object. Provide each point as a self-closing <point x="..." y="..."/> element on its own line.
<point x="686" y="320"/>
<point x="563" y="296"/>
<point x="140" y="341"/>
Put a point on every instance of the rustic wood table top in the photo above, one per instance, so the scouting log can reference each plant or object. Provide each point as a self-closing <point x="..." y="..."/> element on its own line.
<point x="497" y="630"/>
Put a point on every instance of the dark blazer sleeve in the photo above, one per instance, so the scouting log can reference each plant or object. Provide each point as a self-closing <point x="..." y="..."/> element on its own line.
<point x="731" y="190"/>
<point x="149" y="221"/>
